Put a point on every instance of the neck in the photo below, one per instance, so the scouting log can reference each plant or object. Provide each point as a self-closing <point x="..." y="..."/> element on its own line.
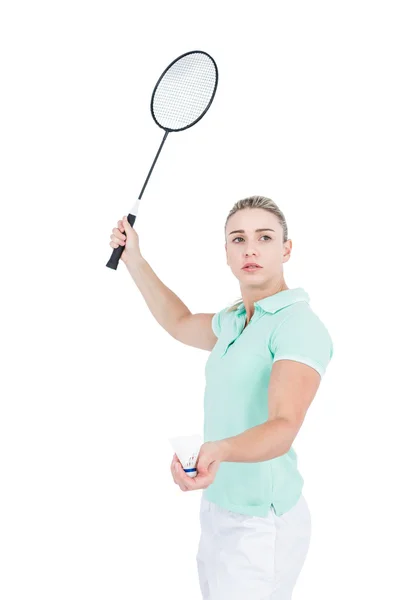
<point x="253" y="295"/>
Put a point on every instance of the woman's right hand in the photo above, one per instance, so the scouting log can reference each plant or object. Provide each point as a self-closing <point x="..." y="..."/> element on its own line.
<point x="125" y="235"/>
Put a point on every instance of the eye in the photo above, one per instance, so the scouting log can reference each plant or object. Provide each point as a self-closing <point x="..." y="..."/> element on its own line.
<point x="240" y="238"/>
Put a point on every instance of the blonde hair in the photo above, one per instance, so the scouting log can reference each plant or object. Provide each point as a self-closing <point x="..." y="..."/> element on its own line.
<point x="258" y="202"/>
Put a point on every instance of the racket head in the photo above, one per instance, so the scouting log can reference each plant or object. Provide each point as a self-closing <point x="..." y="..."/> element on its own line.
<point x="185" y="90"/>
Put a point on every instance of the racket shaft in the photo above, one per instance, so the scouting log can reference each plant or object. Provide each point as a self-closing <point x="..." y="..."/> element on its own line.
<point x="117" y="252"/>
<point x="116" y="255"/>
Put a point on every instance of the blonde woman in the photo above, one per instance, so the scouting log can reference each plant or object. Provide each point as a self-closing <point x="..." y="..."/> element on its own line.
<point x="268" y="353"/>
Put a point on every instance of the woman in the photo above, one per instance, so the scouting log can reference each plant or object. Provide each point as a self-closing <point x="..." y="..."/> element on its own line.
<point x="268" y="354"/>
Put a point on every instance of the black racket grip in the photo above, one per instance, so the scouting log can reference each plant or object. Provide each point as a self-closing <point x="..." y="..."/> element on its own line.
<point x="117" y="252"/>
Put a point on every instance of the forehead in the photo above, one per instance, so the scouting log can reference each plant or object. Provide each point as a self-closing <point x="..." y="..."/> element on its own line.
<point x="250" y="219"/>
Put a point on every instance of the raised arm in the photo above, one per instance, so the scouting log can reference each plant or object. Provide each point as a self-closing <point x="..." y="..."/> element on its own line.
<point x="168" y="310"/>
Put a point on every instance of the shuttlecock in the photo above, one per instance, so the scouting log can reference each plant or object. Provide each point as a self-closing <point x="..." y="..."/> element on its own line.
<point x="187" y="449"/>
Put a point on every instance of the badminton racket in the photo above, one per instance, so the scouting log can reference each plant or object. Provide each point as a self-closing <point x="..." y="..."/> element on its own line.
<point x="181" y="97"/>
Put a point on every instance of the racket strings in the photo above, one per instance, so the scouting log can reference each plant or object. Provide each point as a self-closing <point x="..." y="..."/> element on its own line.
<point x="185" y="91"/>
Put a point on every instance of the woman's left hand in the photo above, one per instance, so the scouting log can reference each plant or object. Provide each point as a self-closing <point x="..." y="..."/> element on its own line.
<point x="208" y="462"/>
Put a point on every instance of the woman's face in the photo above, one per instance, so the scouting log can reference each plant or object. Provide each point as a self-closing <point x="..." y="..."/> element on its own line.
<point x="255" y="235"/>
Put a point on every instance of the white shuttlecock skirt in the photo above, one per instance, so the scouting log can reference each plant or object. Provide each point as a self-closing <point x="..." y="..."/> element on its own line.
<point x="187" y="449"/>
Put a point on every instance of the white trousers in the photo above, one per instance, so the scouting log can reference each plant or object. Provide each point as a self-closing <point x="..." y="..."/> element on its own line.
<point x="241" y="557"/>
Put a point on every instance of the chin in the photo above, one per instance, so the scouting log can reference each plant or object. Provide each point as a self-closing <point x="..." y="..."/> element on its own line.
<point x="247" y="278"/>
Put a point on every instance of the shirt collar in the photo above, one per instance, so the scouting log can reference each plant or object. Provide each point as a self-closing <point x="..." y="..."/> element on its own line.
<point x="271" y="304"/>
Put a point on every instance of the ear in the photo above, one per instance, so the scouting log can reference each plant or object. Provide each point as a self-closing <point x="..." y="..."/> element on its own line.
<point x="287" y="249"/>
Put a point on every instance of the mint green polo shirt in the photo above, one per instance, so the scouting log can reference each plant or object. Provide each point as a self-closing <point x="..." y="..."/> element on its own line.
<point x="237" y="372"/>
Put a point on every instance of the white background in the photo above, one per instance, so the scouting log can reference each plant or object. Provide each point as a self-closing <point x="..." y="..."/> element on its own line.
<point x="306" y="113"/>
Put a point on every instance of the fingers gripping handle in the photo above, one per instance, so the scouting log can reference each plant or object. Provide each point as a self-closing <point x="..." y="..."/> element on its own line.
<point x="117" y="252"/>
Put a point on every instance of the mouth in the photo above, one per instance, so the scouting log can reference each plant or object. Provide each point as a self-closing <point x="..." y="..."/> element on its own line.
<point x="251" y="267"/>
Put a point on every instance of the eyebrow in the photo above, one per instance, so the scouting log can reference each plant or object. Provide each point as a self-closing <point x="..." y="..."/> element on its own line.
<point x="242" y="230"/>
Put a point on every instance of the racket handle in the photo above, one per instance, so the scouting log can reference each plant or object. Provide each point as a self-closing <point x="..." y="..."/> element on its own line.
<point x="117" y="252"/>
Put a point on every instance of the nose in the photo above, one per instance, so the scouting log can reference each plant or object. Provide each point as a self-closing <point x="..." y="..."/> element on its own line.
<point x="250" y="251"/>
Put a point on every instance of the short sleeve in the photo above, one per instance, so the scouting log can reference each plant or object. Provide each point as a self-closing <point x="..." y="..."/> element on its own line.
<point x="216" y="322"/>
<point x="304" y="338"/>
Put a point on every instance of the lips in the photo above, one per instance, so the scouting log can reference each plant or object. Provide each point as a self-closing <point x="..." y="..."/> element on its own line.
<point x="251" y="265"/>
